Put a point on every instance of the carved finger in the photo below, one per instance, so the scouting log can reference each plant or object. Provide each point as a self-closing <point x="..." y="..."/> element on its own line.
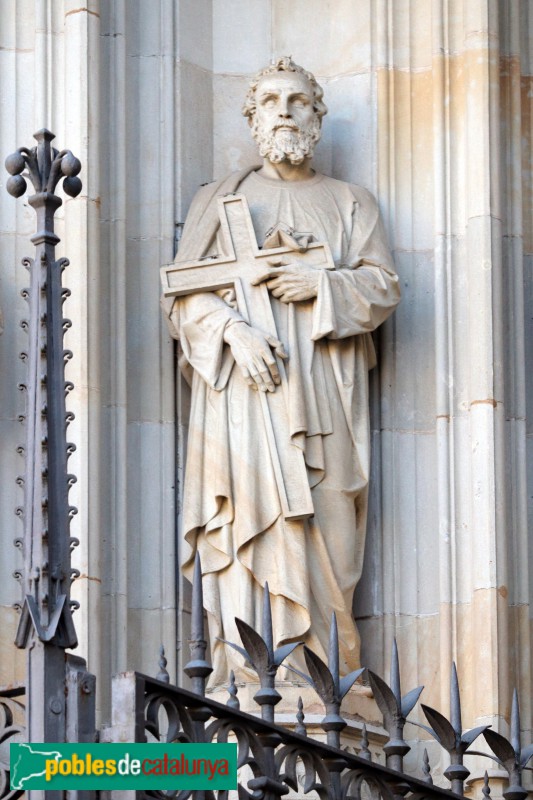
<point x="267" y="380"/>
<point x="293" y="295"/>
<point x="257" y="379"/>
<point x="280" y="290"/>
<point x="278" y="346"/>
<point x="248" y="378"/>
<point x="261" y="374"/>
<point x="265" y="276"/>
<point x="270" y="361"/>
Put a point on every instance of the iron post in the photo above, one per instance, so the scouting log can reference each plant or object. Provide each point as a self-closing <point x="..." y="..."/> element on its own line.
<point x="46" y="627"/>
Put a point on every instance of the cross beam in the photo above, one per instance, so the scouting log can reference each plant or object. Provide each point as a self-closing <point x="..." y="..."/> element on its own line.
<point x="245" y="261"/>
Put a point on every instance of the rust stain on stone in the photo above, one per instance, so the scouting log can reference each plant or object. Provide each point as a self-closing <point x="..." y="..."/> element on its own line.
<point x="503" y="592"/>
<point x="88" y="578"/>
<point x="80" y="10"/>
<point x="489" y="402"/>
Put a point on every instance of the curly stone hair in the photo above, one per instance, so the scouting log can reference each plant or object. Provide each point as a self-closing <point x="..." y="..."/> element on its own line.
<point x="283" y="64"/>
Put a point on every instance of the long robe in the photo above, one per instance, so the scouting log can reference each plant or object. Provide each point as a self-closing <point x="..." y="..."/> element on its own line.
<point x="232" y="511"/>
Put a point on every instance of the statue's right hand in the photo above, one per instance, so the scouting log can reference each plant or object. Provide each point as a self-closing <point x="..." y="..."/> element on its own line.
<point x="252" y="350"/>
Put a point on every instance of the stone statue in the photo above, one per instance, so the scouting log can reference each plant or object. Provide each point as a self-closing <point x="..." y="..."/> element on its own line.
<point x="265" y="400"/>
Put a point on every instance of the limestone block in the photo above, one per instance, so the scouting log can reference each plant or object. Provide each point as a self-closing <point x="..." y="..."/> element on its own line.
<point x="404" y="31"/>
<point x="143" y="359"/>
<point x="403" y="565"/>
<point x="11" y="465"/>
<point x="528" y="342"/>
<point x="243" y="40"/>
<point x="153" y="444"/>
<point x="404" y="136"/>
<point x="234" y="148"/>
<point x="526" y="99"/>
<point x="414" y="407"/>
<point x="338" y="46"/>
<point x="400" y="571"/>
<point x="148" y="629"/>
<point x="195" y="33"/>
<point x="348" y="141"/>
<point x="194" y="154"/>
<point x="12" y="661"/>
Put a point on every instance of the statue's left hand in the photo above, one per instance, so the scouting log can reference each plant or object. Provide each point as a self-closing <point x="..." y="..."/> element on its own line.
<point x="290" y="283"/>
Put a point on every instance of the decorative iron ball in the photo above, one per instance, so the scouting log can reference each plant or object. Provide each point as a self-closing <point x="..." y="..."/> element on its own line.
<point x="70" y="165"/>
<point x="72" y="186"/>
<point x="15" y="163"/>
<point x="16" y="185"/>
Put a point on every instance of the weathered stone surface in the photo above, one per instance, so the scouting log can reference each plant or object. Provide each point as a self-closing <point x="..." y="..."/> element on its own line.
<point x="440" y="129"/>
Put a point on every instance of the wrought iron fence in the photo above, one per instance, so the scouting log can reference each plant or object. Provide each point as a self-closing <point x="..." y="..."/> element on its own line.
<point x="12" y="729"/>
<point x="272" y="760"/>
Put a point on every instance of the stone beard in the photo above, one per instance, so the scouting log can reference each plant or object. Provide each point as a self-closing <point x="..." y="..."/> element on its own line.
<point x="232" y="511"/>
<point x="283" y="143"/>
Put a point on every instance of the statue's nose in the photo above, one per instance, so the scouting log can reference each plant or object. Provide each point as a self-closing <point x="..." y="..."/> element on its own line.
<point x="284" y="107"/>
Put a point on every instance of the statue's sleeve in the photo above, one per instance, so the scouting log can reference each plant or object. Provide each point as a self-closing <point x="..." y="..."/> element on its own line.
<point x="199" y="321"/>
<point x="358" y="296"/>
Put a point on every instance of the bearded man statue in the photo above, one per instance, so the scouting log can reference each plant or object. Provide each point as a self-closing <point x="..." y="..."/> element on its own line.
<point x="232" y="511"/>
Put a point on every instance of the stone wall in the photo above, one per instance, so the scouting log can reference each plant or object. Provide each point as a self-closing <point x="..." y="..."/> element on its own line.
<point x="430" y="108"/>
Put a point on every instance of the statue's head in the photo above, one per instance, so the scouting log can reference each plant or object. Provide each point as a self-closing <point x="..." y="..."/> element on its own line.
<point x="284" y="107"/>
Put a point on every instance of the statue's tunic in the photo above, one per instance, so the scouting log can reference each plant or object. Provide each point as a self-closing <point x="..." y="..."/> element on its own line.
<point x="232" y="512"/>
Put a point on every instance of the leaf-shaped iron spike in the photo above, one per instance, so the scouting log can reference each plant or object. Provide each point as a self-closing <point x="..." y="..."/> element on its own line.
<point x="525" y="755"/>
<point x="254" y="646"/>
<point x="302" y="675"/>
<point x="470" y="736"/>
<point x="425" y="728"/>
<point x="384" y="698"/>
<point x="321" y="676"/>
<point x="236" y="647"/>
<point x="300" y="716"/>
<point x="333" y="653"/>
<point x="501" y="748"/>
<point x="364" y="751"/>
<point x="426" y="768"/>
<point x="282" y="652"/>
<point x="395" y="673"/>
<point x="410" y="700"/>
<point x="268" y="635"/>
<point x="197" y="610"/>
<point x="346" y="683"/>
<point x="233" y="700"/>
<point x="455" y="702"/>
<point x="442" y="729"/>
<point x="515" y="725"/>
<point x="486" y="788"/>
<point x="162" y="675"/>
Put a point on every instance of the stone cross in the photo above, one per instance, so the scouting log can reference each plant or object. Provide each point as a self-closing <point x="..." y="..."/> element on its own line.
<point x="244" y="262"/>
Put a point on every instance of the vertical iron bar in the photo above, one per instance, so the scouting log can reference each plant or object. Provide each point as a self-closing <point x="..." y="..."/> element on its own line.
<point x="46" y="627"/>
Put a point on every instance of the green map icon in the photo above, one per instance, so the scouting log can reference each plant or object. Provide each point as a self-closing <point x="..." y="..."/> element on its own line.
<point x="30" y="762"/>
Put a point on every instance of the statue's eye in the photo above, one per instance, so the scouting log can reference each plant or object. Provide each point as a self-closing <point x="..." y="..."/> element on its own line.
<point x="269" y="102"/>
<point x="300" y="101"/>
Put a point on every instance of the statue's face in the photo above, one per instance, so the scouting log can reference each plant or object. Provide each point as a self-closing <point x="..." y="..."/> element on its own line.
<point x="285" y="124"/>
